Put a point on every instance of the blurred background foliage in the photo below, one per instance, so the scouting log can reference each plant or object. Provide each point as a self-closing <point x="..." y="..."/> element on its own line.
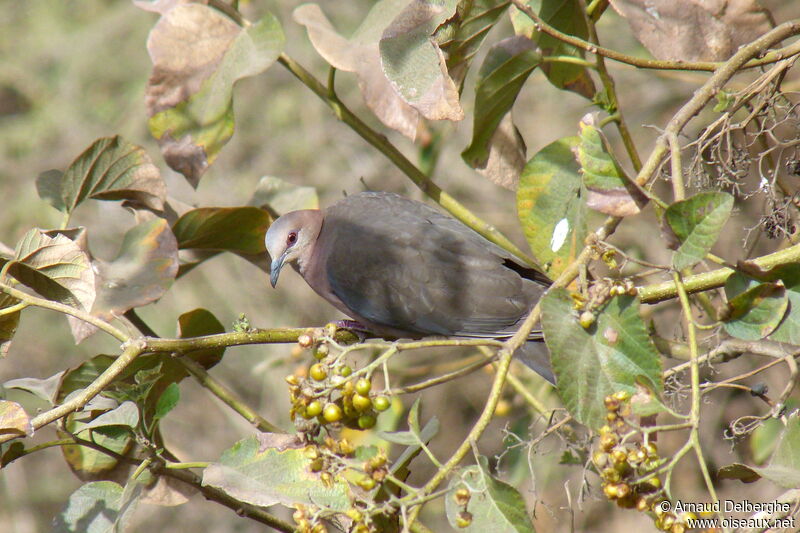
<point x="75" y="71"/>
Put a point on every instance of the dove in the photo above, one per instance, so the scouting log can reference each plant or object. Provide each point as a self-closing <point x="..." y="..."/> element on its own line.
<point x="404" y="269"/>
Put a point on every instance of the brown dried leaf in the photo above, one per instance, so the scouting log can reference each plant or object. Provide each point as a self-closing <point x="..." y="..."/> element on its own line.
<point x="694" y="30"/>
<point x="506" y="155"/>
<point x="55" y="266"/>
<point x="390" y="24"/>
<point x="14" y="420"/>
<point x="198" y="54"/>
<point x="168" y="492"/>
<point x="141" y="273"/>
<point x="614" y="202"/>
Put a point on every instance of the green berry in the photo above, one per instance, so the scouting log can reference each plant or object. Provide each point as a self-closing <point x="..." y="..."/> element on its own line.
<point x="345" y="371"/>
<point x="381" y="403"/>
<point x="363" y="386"/>
<point x="367" y="421"/>
<point x="366" y="483"/>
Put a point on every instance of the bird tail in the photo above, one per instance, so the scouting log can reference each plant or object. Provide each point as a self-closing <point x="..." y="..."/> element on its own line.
<point x="536" y="357"/>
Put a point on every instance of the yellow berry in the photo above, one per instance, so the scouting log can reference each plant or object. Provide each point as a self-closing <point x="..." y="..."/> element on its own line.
<point x="366" y="483"/>
<point x="313" y="409"/>
<point x="462" y="496"/>
<point x="622" y="396"/>
<point x="354" y="514"/>
<point x="608" y="441"/>
<point x="503" y="408"/>
<point x="361" y="403"/>
<point x="619" y="455"/>
<point x="586" y="319"/>
<point x="610" y="490"/>
<point x="332" y="412"/>
<point x="612" y="404"/>
<point x="464" y="519"/>
<point x="318" y="372"/>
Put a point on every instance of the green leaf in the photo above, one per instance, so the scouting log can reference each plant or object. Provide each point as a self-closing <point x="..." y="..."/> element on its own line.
<point x="789" y="328"/>
<point x="90" y="462"/>
<point x="190" y="94"/>
<point x="56" y="267"/>
<point x="167" y="401"/>
<point x="110" y="169"/>
<point x="233" y="229"/>
<point x="608" y="356"/>
<point x="495" y="506"/>
<point x="127" y="414"/>
<point x="784" y="466"/>
<point x="462" y="35"/>
<point x="567" y="17"/>
<point x="754" y="309"/>
<point x="739" y="471"/>
<point x="264" y="476"/>
<point x="697" y="222"/>
<point x="98" y="507"/>
<point x="764" y="439"/>
<point x="46" y="389"/>
<point x="197" y="323"/>
<point x="412" y="437"/>
<point x="48" y="185"/>
<point x="551" y="206"/>
<point x="503" y="73"/>
<point x="610" y="190"/>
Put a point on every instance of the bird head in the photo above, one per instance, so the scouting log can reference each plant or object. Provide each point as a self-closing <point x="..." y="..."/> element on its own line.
<point x="291" y="238"/>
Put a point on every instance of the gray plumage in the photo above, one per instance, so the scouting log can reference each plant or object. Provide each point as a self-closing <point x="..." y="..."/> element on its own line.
<point x="405" y="269"/>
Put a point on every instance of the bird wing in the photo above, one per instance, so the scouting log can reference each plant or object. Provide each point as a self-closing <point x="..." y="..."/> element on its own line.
<point x="406" y="266"/>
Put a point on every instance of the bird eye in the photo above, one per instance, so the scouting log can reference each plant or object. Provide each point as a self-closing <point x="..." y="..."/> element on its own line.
<point x="291" y="238"/>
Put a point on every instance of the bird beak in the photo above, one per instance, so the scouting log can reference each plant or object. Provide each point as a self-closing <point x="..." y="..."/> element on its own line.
<point x="275" y="269"/>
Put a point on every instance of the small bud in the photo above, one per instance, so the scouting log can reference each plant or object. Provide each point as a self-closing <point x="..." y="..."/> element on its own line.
<point x="622" y="395"/>
<point x="305" y="341"/>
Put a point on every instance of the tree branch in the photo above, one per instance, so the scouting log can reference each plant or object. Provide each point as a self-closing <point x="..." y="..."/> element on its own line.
<point x="639" y="62"/>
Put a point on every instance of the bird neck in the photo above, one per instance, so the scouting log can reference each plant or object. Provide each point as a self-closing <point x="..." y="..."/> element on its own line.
<point x="313" y="226"/>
